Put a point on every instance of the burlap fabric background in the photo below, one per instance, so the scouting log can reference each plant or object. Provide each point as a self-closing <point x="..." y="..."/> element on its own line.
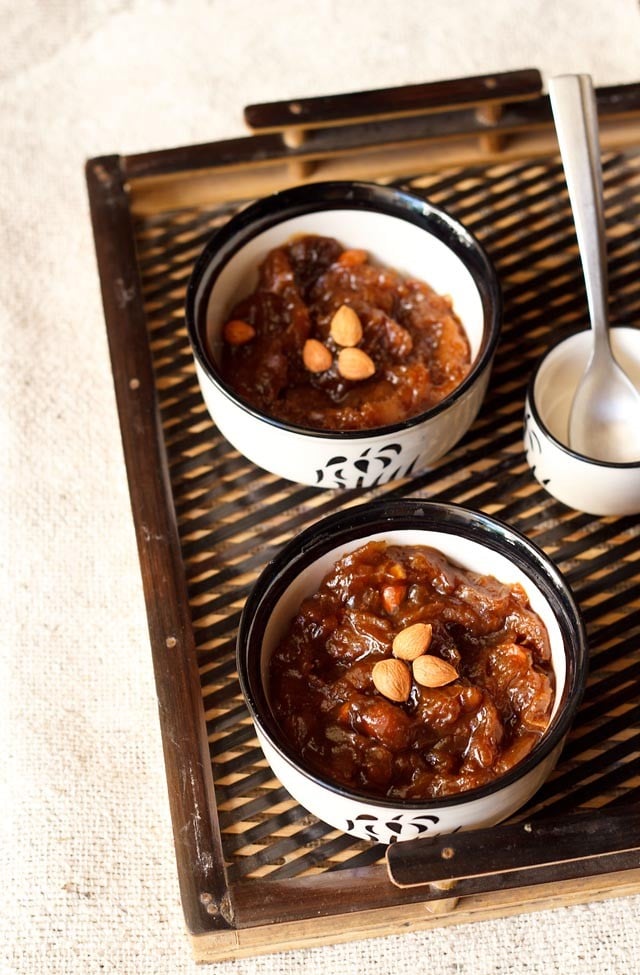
<point x="88" y="879"/>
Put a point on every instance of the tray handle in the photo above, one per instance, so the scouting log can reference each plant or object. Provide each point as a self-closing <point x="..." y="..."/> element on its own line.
<point x="530" y="852"/>
<point x="299" y="114"/>
<point x="294" y="119"/>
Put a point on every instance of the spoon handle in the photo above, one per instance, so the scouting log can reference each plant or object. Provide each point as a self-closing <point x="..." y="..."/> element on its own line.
<point x="573" y="103"/>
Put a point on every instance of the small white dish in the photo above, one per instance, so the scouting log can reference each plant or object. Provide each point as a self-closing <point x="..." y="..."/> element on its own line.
<point x="398" y="230"/>
<point x="595" y="487"/>
<point x="476" y="542"/>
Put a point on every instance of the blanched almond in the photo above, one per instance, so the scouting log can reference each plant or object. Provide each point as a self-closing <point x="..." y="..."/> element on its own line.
<point x="432" y="671"/>
<point x="316" y="356"/>
<point x="237" y="332"/>
<point x="355" y="364"/>
<point x="392" y="679"/>
<point x="413" y="641"/>
<point x="345" y="328"/>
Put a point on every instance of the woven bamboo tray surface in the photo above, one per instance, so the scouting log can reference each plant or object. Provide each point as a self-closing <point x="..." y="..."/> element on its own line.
<point x="232" y="517"/>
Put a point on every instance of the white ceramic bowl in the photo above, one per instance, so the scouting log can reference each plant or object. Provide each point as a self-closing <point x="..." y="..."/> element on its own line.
<point x="398" y="230"/>
<point x="476" y="542"/>
<point x="580" y="482"/>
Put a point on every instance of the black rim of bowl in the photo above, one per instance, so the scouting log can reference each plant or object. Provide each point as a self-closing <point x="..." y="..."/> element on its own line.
<point x="342" y="195"/>
<point x="532" y="407"/>
<point x="409" y="513"/>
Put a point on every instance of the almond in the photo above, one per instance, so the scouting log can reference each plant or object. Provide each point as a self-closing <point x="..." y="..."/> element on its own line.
<point x="345" y="328"/>
<point x="432" y="671"/>
<point x="237" y="332"/>
<point x="392" y="679"/>
<point x="355" y="364"/>
<point x="413" y="641"/>
<point x="316" y="356"/>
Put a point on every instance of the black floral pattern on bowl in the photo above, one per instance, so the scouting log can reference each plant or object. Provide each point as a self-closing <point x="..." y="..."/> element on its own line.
<point x="533" y="448"/>
<point x="397" y="825"/>
<point x="338" y="470"/>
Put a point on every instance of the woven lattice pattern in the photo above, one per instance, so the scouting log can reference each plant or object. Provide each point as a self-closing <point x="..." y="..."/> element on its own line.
<point x="232" y="516"/>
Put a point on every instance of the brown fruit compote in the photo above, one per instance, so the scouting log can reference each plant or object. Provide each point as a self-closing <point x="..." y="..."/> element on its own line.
<point x="395" y="347"/>
<point x="420" y="741"/>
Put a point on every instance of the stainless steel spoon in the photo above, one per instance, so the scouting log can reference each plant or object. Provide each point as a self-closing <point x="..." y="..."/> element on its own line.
<point x="604" y="422"/>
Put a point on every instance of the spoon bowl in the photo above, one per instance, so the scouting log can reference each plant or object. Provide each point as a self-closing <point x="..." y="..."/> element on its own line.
<point x="606" y="427"/>
<point x="604" y="422"/>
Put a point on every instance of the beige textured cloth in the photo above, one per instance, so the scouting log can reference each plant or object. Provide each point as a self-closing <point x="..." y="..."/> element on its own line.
<point x="88" y="881"/>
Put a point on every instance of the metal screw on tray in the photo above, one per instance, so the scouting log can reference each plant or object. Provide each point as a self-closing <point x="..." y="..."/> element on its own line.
<point x="604" y="422"/>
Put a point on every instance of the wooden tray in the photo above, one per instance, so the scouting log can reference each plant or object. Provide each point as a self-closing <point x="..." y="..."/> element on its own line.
<point x="257" y="873"/>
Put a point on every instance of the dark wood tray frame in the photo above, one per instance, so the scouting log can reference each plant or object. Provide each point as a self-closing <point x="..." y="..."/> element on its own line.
<point x="471" y="122"/>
